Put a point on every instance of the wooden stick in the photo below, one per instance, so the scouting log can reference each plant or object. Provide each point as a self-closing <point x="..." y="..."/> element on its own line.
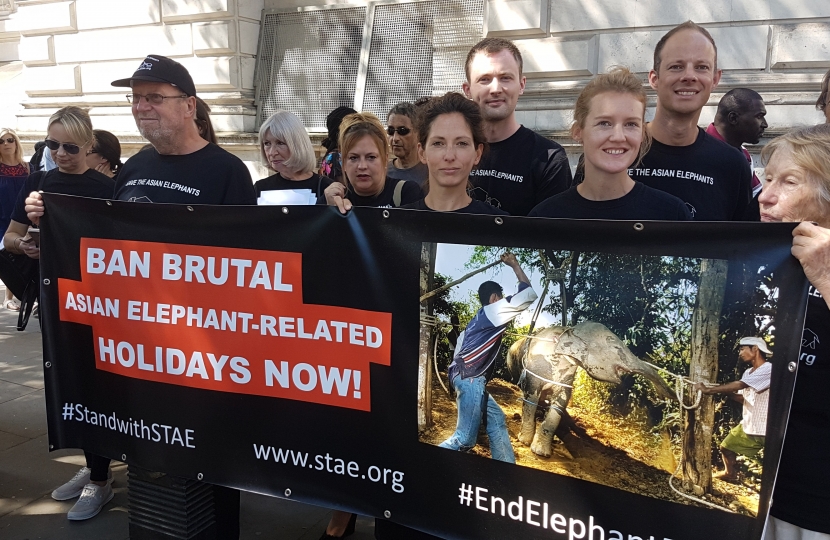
<point x="465" y="277"/>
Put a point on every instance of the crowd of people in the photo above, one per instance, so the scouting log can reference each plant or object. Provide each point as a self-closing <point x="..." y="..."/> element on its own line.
<point x="466" y="152"/>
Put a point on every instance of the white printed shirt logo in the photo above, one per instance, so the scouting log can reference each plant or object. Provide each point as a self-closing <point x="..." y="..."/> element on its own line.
<point x="691" y="209"/>
<point x="145" y="66"/>
<point x="809" y="339"/>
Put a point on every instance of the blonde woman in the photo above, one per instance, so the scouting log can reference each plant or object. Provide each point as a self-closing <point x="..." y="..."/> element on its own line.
<point x="609" y="121"/>
<point x="13" y="172"/>
<point x="69" y="138"/>
<point x="364" y="150"/>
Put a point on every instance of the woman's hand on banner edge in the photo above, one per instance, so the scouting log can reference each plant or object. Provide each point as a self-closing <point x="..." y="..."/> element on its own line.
<point x="336" y="196"/>
<point x="34" y="208"/>
<point x="811" y="246"/>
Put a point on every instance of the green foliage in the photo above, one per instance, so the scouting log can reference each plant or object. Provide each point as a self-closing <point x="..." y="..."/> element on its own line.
<point x="648" y="301"/>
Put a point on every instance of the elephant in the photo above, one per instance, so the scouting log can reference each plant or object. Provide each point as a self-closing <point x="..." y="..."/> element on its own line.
<point x="546" y="368"/>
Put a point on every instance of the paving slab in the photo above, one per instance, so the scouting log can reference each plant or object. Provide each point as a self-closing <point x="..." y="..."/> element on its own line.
<point x="8" y="440"/>
<point x="11" y="390"/>
<point x="24" y="416"/>
<point x="26" y="371"/>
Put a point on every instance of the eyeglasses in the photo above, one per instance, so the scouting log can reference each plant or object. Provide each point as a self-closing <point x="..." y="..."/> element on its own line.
<point x="155" y="99"/>
<point x="69" y="148"/>
<point x="92" y="151"/>
<point x="402" y="131"/>
<point x="10" y="140"/>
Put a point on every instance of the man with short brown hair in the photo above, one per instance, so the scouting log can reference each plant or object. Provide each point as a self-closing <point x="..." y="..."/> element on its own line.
<point x="521" y="168"/>
<point x="712" y="178"/>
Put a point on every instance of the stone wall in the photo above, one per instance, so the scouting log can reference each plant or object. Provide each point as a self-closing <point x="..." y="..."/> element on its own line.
<point x="58" y="52"/>
<point x="72" y="50"/>
<point x="781" y="48"/>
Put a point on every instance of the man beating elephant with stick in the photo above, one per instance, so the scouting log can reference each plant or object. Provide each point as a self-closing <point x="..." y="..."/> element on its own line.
<point x="474" y="362"/>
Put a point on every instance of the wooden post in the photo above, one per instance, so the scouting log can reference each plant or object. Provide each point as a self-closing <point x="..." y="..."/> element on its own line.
<point x="703" y="366"/>
<point x="428" y="252"/>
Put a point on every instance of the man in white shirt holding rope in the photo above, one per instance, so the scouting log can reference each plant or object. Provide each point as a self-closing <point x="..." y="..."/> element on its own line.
<point x="747" y="438"/>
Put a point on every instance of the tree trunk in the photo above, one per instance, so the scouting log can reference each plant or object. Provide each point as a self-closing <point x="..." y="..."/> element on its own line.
<point x="425" y="348"/>
<point x="698" y="423"/>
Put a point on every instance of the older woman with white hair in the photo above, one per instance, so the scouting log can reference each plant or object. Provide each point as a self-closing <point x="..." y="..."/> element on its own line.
<point x="798" y="189"/>
<point x="286" y="149"/>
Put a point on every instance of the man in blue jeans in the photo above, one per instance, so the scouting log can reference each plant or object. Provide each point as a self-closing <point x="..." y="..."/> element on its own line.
<point x="474" y="362"/>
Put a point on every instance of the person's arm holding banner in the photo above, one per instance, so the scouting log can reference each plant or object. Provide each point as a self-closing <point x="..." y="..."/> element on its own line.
<point x="34" y="207"/>
<point x="811" y="246"/>
<point x="336" y="196"/>
<point x="17" y="240"/>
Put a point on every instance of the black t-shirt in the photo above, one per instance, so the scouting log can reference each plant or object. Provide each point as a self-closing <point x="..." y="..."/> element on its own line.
<point x="642" y="202"/>
<point x="316" y="184"/>
<point x="210" y="175"/>
<point x="711" y="177"/>
<point x="475" y="207"/>
<point x="521" y="171"/>
<point x="410" y="193"/>
<point x="802" y="496"/>
<point x="89" y="184"/>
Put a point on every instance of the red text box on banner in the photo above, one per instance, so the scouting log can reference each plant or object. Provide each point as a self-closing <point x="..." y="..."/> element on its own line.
<point x="224" y="319"/>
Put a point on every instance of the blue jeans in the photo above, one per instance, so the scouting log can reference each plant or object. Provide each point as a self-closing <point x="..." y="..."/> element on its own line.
<point x="470" y="401"/>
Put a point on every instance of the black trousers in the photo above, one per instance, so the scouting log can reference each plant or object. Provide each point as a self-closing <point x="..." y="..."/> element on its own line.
<point x="99" y="466"/>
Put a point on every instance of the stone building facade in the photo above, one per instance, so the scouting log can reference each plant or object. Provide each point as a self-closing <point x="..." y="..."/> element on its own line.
<point x="250" y="56"/>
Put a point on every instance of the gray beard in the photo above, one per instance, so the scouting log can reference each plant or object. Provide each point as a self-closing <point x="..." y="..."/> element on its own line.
<point x="160" y="138"/>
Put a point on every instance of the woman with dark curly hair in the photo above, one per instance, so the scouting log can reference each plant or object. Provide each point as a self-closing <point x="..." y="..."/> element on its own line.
<point x="105" y="154"/>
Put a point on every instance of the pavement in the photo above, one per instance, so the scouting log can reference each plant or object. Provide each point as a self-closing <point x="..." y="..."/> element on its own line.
<point x="29" y="472"/>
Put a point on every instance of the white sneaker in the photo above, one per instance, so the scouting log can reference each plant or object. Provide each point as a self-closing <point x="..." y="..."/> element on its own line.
<point x="74" y="487"/>
<point x="93" y="498"/>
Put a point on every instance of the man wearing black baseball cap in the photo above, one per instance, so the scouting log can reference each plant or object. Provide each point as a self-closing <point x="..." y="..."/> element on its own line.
<point x="182" y="167"/>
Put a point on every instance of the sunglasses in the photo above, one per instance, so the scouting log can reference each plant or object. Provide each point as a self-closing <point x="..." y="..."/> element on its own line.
<point x="69" y="148"/>
<point x="10" y="140"/>
<point x="155" y="99"/>
<point x="402" y="131"/>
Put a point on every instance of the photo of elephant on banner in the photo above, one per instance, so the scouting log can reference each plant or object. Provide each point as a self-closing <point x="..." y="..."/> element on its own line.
<point x="545" y="366"/>
<point x="564" y="393"/>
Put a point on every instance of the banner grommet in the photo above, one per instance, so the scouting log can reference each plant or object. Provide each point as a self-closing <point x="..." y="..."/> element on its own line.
<point x="387" y="514"/>
<point x="287" y="492"/>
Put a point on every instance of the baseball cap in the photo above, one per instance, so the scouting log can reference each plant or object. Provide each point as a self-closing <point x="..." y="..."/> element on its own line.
<point x="157" y="68"/>
<point x="758" y="342"/>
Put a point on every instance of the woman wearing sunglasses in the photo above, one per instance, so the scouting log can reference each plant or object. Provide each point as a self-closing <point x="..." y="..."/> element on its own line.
<point x="403" y="140"/>
<point x="69" y="138"/>
<point x="13" y="172"/>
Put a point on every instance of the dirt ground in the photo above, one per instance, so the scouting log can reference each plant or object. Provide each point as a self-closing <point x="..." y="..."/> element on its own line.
<point x="613" y="451"/>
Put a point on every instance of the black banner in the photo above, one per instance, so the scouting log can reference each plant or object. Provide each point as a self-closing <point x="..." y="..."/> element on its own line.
<point x="276" y="350"/>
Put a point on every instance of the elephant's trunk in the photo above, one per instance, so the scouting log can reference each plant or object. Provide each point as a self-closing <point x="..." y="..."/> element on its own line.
<point x="652" y="375"/>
